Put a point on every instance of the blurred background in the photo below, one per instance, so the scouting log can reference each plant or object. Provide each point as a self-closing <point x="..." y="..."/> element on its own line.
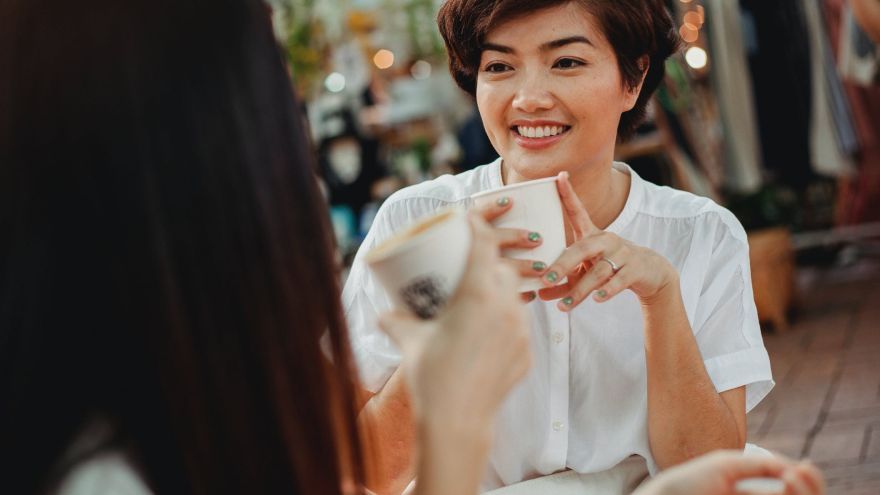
<point x="772" y="108"/>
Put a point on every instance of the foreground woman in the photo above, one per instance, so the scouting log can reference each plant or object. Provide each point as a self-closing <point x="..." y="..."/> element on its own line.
<point x="170" y="308"/>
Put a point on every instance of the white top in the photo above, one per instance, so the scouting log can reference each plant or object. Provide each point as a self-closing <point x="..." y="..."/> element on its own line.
<point x="109" y="473"/>
<point x="583" y="405"/>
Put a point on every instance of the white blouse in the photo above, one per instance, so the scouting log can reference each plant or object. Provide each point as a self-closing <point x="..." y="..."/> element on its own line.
<point x="583" y="405"/>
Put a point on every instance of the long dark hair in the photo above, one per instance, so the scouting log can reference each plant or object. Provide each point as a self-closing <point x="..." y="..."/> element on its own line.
<point x="165" y="256"/>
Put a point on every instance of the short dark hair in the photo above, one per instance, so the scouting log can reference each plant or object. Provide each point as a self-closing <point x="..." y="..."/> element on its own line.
<point x="634" y="28"/>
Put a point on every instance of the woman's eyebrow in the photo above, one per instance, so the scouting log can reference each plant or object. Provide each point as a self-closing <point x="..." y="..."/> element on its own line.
<point x="552" y="45"/>
<point x="497" y="48"/>
<point x="545" y="47"/>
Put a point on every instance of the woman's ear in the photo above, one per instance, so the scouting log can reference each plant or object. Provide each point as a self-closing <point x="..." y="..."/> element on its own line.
<point x="632" y="96"/>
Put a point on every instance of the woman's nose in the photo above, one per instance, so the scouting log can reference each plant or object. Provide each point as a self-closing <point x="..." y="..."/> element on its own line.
<point x="533" y="96"/>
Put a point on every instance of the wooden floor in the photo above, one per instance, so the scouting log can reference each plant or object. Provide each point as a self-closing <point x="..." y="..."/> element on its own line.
<point x="826" y="403"/>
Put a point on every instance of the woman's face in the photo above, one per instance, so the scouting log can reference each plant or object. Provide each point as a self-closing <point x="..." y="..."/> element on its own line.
<point x="550" y="93"/>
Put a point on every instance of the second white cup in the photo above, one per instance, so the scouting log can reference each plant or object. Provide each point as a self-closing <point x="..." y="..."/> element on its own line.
<point x="536" y="208"/>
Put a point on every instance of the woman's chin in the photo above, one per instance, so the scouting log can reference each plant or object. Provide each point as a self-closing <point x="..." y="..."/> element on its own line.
<point x="523" y="170"/>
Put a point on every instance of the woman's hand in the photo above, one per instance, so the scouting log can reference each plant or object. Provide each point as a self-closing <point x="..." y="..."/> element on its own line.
<point x="514" y="239"/>
<point x="461" y="365"/>
<point x="719" y="472"/>
<point x="602" y="262"/>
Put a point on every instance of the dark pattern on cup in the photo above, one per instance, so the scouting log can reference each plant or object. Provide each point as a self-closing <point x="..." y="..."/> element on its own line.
<point x="425" y="296"/>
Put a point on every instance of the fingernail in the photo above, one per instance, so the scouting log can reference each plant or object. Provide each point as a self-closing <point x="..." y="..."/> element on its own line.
<point x="504" y="201"/>
<point x="539" y="266"/>
<point x="602" y="294"/>
<point x="534" y="236"/>
<point x="552" y="277"/>
<point x="567" y="301"/>
<point x="531" y="296"/>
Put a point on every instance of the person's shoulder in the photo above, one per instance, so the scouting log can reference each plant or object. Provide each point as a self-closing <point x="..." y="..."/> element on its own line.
<point x="667" y="203"/>
<point x="450" y="189"/>
<point x="427" y="197"/>
<point x="108" y="473"/>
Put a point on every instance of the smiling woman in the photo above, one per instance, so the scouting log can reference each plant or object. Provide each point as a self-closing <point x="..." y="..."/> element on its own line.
<point x="651" y="347"/>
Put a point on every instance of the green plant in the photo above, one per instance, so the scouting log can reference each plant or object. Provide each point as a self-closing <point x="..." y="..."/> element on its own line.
<point x="770" y="206"/>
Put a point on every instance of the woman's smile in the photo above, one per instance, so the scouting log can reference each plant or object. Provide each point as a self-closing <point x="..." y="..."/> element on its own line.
<point x="538" y="134"/>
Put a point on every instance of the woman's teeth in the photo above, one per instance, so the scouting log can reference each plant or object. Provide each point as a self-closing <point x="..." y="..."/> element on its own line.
<point x="539" y="132"/>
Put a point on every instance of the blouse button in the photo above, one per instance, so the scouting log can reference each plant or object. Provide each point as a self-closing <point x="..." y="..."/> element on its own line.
<point x="558" y="337"/>
<point x="558" y="425"/>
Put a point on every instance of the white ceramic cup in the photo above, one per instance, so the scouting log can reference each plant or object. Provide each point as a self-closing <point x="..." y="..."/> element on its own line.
<point x="536" y="208"/>
<point x="421" y="266"/>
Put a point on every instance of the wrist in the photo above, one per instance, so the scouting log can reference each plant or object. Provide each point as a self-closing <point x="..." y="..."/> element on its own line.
<point x="451" y="459"/>
<point x="465" y="435"/>
<point x="666" y="293"/>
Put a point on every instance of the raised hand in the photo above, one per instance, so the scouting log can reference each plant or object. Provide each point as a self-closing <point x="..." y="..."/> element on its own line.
<point x="601" y="263"/>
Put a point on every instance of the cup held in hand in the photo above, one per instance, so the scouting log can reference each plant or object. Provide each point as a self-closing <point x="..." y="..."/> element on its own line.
<point x="536" y="208"/>
<point x="421" y="266"/>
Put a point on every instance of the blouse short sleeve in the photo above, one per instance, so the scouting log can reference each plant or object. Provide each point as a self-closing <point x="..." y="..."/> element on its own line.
<point x="726" y="320"/>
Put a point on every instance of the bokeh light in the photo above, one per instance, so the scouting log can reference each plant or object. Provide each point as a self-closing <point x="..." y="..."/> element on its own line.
<point x="383" y="59"/>
<point x="696" y="57"/>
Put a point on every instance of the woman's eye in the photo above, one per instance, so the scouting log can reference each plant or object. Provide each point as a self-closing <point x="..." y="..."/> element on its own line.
<point x="567" y="63"/>
<point x="496" y="67"/>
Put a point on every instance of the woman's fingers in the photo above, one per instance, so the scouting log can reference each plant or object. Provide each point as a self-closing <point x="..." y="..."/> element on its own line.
<point x="517" y="238"/>
<point x="795" y="484"/>
<point x="528" y="297"/>
<point x="581" y="223"/>
<point x="586" y="249"/>
<point x="619" y="282"/>
<point x="599" y="275"/>
<point x="739" y="466"/>
<point x="810" y="477"/>
<point x="557" y="292"/>
<point x="526" y="268"/>
<point x="494" y="209"/>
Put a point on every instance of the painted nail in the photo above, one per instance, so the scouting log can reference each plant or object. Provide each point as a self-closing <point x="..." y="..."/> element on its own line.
<point x="602" y="293"/>
<point x="534" y="236"/>
<point x="504" y="201"/>
<point x="567" y="301"/>
<point x="531" y="296"/>
<point x="552" y="277"/>
<point x="539" y="266"/>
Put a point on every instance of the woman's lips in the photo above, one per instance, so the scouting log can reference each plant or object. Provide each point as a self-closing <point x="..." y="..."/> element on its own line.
<point x="536" y="143"/>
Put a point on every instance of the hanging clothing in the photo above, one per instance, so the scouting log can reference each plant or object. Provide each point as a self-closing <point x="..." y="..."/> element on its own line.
<point x="827" y="155"/>
<point x="780" y="73"/>
<point x="859" y="57"/>
<point x="735" y="99"/>
<point x="860" y="196"/>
